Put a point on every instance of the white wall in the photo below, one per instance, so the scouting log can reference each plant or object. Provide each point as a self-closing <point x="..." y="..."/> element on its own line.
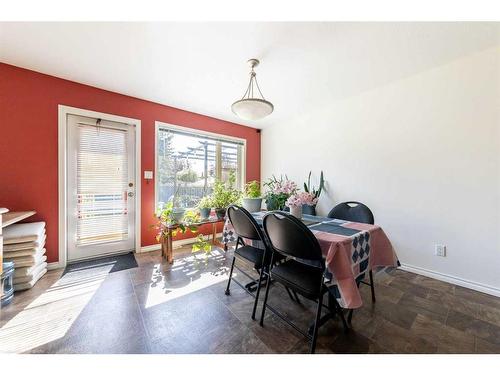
<point x="422" y="153"/>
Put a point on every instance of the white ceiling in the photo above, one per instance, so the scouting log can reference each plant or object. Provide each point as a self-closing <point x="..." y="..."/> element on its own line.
<point x="201" y="67"/>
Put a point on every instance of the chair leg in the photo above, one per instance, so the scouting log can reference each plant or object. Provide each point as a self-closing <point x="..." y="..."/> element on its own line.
<point x="261" y="278"/>
<point x="265" y="300"/>
<point x="349" y="316"/>
<point x="289" y="293"/>
<point x="230" y="276"/>
<point x="342" y="317"/>
<point x="372" y="285"/>
<point x="316" y="324"/>
<point x="296" y="296"/>
<point x="334" y="306"/>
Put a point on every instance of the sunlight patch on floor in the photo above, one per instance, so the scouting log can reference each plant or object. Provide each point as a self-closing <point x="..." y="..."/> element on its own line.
<point x="193" y="276"/>
<point x="51" y="314"/>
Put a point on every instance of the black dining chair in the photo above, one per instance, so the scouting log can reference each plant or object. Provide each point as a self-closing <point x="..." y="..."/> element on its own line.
<point x="246" y="228"/>
<point x="301" y="271"/>
<point x="358" y="212"/>
<point x="352" y="211"/>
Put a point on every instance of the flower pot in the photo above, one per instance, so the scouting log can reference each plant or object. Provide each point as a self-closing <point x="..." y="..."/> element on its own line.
<point x="296" y="211"/>
<point x="205" y="213"/>
<point x="252" y="204"/>
<point x="272" y="204"/>
<point x="220" y="212"/>
<point x="308" y="209"/>
<point x="178" y="213"/>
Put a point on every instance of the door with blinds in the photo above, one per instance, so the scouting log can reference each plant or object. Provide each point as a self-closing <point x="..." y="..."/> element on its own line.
<point x="100" y="186"/>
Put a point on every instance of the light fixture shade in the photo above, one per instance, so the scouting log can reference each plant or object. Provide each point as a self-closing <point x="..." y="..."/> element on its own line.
<point x="252" y="109"/>
<point x="249" y="107"/>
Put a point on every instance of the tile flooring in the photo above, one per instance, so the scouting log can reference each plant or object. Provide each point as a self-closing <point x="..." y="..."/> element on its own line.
<point x="182" y="308"/>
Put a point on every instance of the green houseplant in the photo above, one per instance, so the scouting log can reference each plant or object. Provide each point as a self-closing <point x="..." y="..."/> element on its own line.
<point x="252" y="200"/>
<point x="311" y="209"/>
<point x="205" y="206"/>
<point x="224" y="195"/>
<point x="278" y="191"/>
<point x="177" y="210"/>
<point x="165" y="218"/>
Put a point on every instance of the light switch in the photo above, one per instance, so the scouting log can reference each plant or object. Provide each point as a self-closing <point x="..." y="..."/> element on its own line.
<point x="148" y="175"/>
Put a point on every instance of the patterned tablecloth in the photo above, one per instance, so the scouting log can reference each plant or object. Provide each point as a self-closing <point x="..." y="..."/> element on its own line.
<point x="350" y="249"/>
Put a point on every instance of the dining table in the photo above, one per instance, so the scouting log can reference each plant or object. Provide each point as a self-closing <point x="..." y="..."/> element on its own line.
<point x="350" y="250"/>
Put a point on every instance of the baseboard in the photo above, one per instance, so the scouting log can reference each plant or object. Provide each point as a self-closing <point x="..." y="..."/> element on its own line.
<point x="154" y="247"/>
<point x="452" y="280"/>
<point x="176" y="244"/>
<point x="54" y="266"/>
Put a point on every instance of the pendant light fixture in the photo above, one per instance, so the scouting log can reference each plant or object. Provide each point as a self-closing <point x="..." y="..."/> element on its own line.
<point x="250" y="106"/>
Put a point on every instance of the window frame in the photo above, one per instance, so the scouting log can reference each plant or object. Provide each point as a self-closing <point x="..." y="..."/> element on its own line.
<point x="163" y="125"/>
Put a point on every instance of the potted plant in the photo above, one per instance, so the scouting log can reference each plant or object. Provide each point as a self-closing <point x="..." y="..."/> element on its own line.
<point x="205" y="206"/>
<point x="298" y="200"/>
<point x="224" y="195"/>
<point x="278" y="191"/>
<point x="252" y="201"/>
<point x="177" y="210"/>
<point x="165" y="219"/>
<point x="308" y="208"/>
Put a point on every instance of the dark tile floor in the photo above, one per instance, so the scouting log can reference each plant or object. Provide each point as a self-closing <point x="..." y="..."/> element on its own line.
<point x="158" y="308"/>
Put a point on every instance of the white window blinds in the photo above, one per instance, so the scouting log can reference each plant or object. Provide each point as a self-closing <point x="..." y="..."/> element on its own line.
<point x="102" y="178"/>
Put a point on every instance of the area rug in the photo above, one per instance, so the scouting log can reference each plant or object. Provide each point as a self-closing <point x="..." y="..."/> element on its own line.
<point x="116" y="262"/>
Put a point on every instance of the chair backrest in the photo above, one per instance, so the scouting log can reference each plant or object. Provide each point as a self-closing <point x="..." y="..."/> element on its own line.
<point x="244" y="223"/>
<point x="352" y="211"/>
<point x="291" y="237"/>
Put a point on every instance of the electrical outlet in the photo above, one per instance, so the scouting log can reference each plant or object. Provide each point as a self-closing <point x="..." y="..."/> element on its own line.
<point x="440" y="250"/>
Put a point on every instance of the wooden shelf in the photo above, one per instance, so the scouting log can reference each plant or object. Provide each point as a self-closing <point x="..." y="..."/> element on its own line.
<point x="13" y="217"/>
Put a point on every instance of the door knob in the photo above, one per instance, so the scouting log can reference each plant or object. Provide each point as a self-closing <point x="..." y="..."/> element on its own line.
<point x="130" y="193"/>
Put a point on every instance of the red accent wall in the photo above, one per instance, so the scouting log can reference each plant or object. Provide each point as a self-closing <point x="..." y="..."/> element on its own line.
<point x="28" y="141"/>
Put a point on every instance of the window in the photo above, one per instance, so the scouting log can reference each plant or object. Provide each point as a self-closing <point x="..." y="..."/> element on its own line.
<point x="190" y="161"/>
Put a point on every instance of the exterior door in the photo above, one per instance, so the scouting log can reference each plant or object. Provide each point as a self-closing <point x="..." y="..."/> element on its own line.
<point x="100" y="187"/>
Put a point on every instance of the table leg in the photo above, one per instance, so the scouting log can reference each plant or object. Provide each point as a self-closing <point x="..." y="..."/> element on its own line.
<point x="170" y="257"/>
<point x="215" y="241"/>
<point x="214" y="233"/>
<point x="163" y="244"/>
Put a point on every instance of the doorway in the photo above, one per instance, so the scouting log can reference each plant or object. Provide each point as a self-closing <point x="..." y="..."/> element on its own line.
<point x="101" y="177"/>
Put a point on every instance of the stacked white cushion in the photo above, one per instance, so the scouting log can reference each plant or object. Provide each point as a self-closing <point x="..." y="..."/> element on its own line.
<point x="23" y="272"/>
<point x="31" y="275"/>
<point x="28" y="232"/>
<point x="29" y="284"/>
<point x="28" y="260"/>
<point x="24" y="245"/>
<point x="23" y="252"/>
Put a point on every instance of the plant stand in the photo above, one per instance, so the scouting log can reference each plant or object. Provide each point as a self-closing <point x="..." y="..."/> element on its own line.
<point x="215" y="241"/>
<point x="167" y="248"/>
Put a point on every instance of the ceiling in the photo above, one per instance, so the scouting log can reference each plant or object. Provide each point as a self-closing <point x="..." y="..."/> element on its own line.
<point x="201" y="67"/>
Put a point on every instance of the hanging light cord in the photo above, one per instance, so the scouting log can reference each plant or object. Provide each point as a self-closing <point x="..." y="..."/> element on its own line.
<point x="249" y="92"/>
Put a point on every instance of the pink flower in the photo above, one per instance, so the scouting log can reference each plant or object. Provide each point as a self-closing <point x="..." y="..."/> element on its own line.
<point x="285" y="187"/>
<point x="299" y="199"/>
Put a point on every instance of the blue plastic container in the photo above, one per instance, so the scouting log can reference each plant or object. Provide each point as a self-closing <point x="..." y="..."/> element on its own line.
<point x="7" y="283"/>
